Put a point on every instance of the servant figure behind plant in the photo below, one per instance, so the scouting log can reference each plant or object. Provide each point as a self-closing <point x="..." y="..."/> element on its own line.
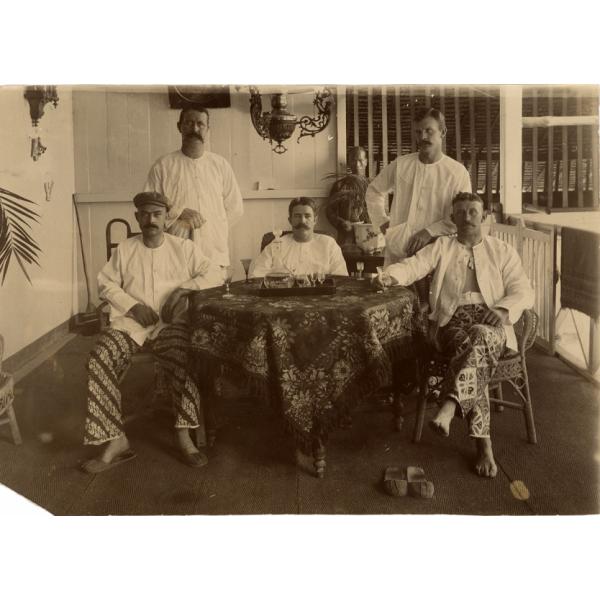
<point x="146" y="282"/>
<point x="346" y="204"/>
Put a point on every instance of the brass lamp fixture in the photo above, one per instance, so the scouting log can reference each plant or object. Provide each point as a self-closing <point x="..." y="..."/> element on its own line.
<point x="279" y="125"/>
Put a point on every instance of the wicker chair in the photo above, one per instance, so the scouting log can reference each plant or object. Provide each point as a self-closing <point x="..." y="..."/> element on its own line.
<point x="512" y="368"/>
<point x="7" y="396"/>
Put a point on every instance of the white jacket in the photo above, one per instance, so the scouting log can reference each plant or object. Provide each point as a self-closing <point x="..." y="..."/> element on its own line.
<point x="498" y="269"/>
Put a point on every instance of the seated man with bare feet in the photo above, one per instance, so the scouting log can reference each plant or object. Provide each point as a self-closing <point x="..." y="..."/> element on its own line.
<point x="479" y="290"/>
<point x="146" y="282"/>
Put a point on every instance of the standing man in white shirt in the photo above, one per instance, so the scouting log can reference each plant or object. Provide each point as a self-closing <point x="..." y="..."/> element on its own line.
<point x="146" y="282"/>
<point x="424" y="184"/>
<point x="204" y="197"/>
<point x="479" y="290"/>
<point x="303" y="251"/>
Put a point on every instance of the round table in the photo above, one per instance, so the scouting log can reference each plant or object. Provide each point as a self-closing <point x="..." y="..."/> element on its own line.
<point x="313" y="356"/>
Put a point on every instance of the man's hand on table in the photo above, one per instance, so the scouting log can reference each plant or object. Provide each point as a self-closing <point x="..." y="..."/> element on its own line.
<point x="383" y="280"/>
<point x="170" y="308"/>
<point x="143" y="314"/>
<point x="496" y="317"/>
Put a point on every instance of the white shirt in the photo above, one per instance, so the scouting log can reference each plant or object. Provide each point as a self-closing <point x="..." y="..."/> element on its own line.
<point x="136" y="273"/>
<point x="321" y="253"/>
<point x="206" y="184"/>
<point x="423" y="196"/>
<point x="498" y="270"/>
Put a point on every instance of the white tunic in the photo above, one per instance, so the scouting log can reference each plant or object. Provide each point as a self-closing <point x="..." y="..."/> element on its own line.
<point x="206" y="184"/>
<point x="498" y="270"/>
<point x="321" y="253"/>
<point x="423" y="196"/>
<point x="136" y="273"/>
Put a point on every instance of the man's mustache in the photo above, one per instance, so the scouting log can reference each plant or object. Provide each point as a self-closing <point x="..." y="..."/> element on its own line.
<point x="198" y="136"/>
<point x="301" y="226"/>
<point x="150" y="227"/>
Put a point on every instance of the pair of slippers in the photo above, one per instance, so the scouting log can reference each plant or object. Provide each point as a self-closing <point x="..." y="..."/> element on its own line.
<point x="410" y="481"/>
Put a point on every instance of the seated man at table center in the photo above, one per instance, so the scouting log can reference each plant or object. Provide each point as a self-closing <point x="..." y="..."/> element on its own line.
<point x="303" y="251"/>
<point x="145" y="283"/>
<point x="479" y="290"/>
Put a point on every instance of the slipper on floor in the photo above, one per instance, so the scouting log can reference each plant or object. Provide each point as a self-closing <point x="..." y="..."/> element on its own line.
<point x="394" y="481"/>
<point x="96" y="465"/>
<point x="418" y="486"/>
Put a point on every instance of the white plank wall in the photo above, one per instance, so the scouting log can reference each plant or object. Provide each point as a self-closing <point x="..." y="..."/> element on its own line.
<point x="119" y="134"/>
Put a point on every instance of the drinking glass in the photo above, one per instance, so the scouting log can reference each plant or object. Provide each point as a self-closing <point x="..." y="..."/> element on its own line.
<point x="227" y="277"/>
<point x="360" y="267"/>
<point x="246" y="264"/>
<point x="320" y="277"/>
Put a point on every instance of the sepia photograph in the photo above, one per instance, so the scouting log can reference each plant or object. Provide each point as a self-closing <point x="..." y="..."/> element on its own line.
<point x="285" y="308"/>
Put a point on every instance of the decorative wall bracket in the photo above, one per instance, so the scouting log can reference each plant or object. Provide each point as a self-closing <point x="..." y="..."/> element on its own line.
<point x="38" y="96"/>
<point x="279" y="124"/>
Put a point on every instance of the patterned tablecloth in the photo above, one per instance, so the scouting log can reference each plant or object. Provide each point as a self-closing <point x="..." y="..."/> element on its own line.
<point x="316" y="355"/>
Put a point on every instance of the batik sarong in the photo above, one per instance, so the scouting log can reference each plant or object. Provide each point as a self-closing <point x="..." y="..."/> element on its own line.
<point x="474" y="350"/>
<point x="108" y="361"/>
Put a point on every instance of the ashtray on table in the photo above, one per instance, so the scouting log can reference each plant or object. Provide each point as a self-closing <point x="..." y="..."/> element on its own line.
<point x="324" y="289"/>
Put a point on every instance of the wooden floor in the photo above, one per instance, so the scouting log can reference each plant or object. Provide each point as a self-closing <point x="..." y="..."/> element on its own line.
<point x="252" y="470"/>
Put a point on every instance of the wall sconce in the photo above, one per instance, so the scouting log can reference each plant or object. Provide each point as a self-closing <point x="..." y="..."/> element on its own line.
<point x="38" y="96"/>
<point x="279" y="124"/>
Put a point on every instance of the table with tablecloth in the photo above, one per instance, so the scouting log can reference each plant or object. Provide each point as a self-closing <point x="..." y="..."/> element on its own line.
<point x="312" y="356"/>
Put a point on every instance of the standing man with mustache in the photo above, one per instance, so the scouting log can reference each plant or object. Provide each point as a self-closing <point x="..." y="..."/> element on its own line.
<point x="204" y="197"/>
<point x="424" y="184"/>
<point x="145" y="283"/>
<point x="303" y="251"/>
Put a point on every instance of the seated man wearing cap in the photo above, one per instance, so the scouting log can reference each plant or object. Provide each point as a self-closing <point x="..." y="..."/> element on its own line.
<point x="145" y="282"/>
<point x="479" y="290"/>
<point x="303" y="251"/>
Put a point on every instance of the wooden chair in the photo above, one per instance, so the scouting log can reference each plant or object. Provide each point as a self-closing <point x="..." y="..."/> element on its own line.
<point x="512" y="368"/>
<point x="7" y="396"/>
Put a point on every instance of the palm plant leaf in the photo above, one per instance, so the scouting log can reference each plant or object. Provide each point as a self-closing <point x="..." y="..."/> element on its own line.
<point x="15" y="240"/>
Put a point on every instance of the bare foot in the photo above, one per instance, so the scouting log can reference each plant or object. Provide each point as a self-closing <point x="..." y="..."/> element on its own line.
<point x="485" y="465"/>
<point x="190" y="454"/>
<point x="184" y="441"/>
<point x="441" y="423"/>
<point x="114" y="448"/>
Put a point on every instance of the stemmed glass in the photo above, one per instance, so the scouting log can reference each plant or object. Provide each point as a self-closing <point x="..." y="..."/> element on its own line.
<point x="227" y="277"/>
<point x="320" y="277"/>
<point x="360" y="267"/>
<point x="246" y="264"/>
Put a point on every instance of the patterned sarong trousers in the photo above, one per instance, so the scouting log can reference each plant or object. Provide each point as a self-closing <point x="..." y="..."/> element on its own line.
<point x="108" y="361"/>
<point x="474" y="350"/>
